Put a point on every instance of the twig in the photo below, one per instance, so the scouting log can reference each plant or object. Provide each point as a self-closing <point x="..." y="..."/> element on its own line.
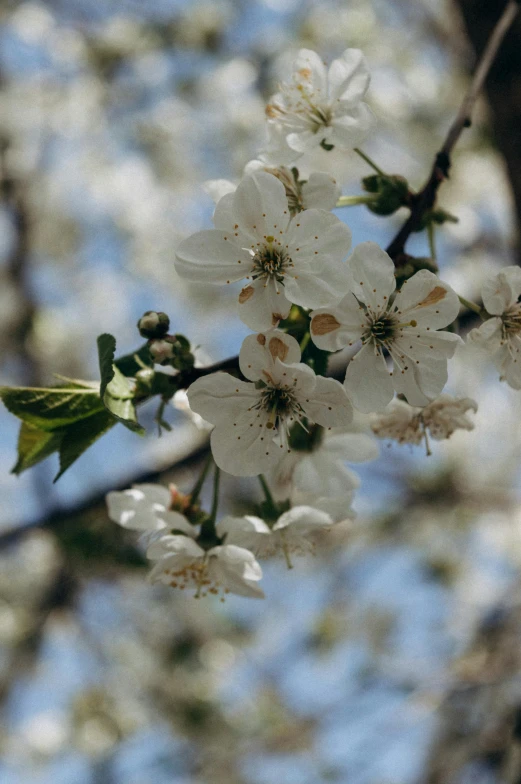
<point x="425" y="199"/>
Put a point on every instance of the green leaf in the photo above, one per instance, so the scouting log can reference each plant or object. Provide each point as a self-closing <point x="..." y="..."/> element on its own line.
<point x="53" y="407"/>
<point x="106" y="351"/>
<point x="35" y="445"/>
<point x="79" y="437"/>
<point x="116" y="391"/>
<point x="128" y="363"/>
<point x="119" y="400"/>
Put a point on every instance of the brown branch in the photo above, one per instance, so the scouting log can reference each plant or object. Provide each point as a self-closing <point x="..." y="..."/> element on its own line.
<point x="423" y="201"/>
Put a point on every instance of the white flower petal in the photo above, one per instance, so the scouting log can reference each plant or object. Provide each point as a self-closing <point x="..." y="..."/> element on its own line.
<point x="260" y="205"/>
<point x="259" y="352"/>
<point x="427" y="300"/>
<point x="263" y="303"/>
<point x="236" y="569"/>
<point x="175" y="521"/>
<point x="141" y="508"/>
<point x="174" y="545"/>
<point x="223" y="216"/>
<point x="243" y="531"/>
<point x="219" y="397"/>
<point x="488" y="336"/>
<point x="424" y="345"/>
<point x="334" y="328"/>
<point x="352" y="127"/>
<point x="311" y="72"/>
<point x="368" y="381"/>
<point x="329" y="405"/>
<point x="348" y="76"/>
<point x="212" y="256"/>
<point x="321" y="191"/>
<point x="248" y="449"/>
<point x="372" y="276"/>
<point x="420" y="383"/>
<point x="353" y="447"/>
<point x="305" y="141"/>
<point x="305" y="518"/>
<point x="324" y="475"/>
<point x="501" y="291"/>
<point x="315" y="234"/>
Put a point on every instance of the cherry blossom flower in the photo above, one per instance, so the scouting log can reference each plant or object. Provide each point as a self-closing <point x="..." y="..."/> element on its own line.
<point x="285" y="259"/>
<point x="501" y="335"/>
<point x="320" y="191"/>
<point x="439" y="419"/>
<point x="293" y="532"/>
<point x="252" y="419"/>
<point x="319" y="106"/>
<point x="182" y="563"/>
<point x="404" y="325"/>
<point x="319" y="477"/>
<point x="146" y="508"/>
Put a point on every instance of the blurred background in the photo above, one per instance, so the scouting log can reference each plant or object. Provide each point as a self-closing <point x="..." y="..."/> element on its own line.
<point x="394" y="656"/>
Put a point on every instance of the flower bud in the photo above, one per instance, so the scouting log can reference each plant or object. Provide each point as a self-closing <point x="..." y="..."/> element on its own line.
<point x="153" y="324"/>
<point x="391" y="192"/>
<point x="162" y="351"/>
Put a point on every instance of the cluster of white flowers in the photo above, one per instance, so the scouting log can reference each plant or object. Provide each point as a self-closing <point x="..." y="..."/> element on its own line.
<point x="277" y="416"/>
<point x="227" y="566"/>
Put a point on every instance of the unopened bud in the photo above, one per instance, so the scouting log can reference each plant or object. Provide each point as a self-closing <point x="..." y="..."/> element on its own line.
<point x="391" y="192"/>
<point x="153" y="324"/>
<point x="162" y="350"/>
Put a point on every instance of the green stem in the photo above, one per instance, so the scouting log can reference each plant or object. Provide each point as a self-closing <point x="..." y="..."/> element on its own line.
<point x="215" y="500"/>
<point x="472" y="306"/>
<point x="267" y="491"/>
<point x="368" y="160"/>
<point x="194" y="495"/>
<point x="432" y="240"/>
<point x="304" y="342"/>
<point x="352" y="201"/>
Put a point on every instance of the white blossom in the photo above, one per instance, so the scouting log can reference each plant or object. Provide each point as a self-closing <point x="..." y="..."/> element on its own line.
<point x="181" y="563"/>
<point x="293" y="532"/>
<point x="501" y="335"/>
<point x="319" y="477"/>
<point x="320" y="191"/>
<point x="405" y="325"/>
<point x="146" y="508"/>
<point x="439" y="419"/>
<point x="286" y="260"/>
<point x="252" y="420"/>
<point x="319" y="106"/>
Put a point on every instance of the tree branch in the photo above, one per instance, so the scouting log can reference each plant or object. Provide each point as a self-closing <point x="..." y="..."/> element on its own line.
<point x="424" y="200"/>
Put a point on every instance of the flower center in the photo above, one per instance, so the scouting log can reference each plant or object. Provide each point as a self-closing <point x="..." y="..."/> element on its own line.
<point x="281" y="403"/>
<point x="512" y="320"/>
<point x="320" y="116"/>
<point x="270" y="261"/>
<point x="381" y="330"/>
<point x="195" y="575"/>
